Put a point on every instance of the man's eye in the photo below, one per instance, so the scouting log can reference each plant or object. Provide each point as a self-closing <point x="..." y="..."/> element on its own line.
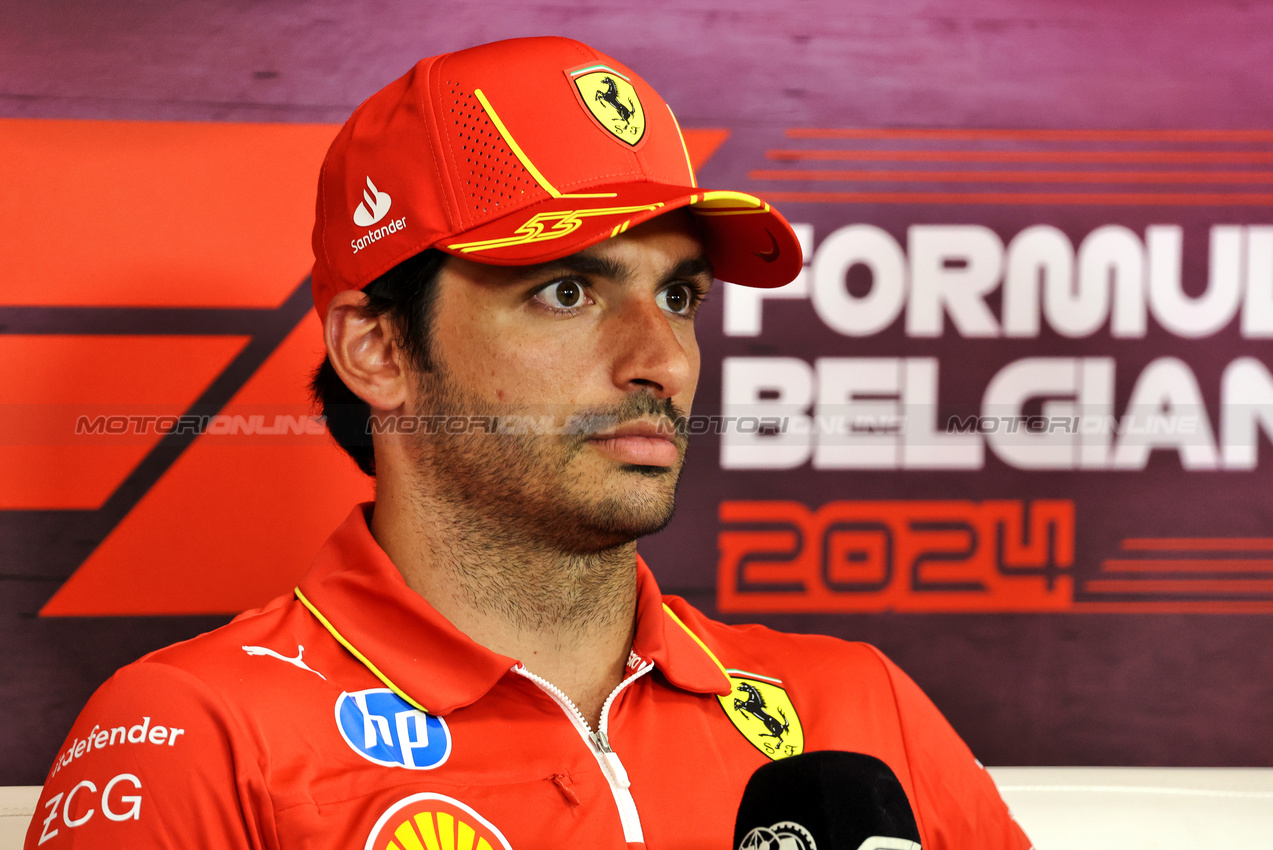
<point x="677" y="298"/>
<point x="562" y="295"/>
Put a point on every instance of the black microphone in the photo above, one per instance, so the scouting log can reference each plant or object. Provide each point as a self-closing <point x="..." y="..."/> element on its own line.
<point x="825" y="801"/>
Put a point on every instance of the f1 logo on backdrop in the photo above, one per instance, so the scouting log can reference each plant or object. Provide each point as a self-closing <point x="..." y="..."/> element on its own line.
<point x="193" y="314"/>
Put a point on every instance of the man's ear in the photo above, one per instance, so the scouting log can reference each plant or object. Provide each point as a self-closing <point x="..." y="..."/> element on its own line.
<point x="364" y="352"/>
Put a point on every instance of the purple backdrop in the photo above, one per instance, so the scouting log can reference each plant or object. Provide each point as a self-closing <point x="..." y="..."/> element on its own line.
<point x="1024" y="688"/>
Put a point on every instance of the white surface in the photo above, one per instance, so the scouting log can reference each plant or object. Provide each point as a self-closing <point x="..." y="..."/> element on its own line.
<point x="1060" y="808"/>
<point x="1137" y="808"/>
<point x="17" y="804"/>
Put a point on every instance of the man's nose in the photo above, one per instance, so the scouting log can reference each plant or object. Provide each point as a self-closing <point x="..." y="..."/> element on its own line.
<point x="647" y="351"/>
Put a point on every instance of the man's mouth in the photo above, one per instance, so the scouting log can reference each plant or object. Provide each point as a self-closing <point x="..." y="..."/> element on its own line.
<point x="639" y="443"/>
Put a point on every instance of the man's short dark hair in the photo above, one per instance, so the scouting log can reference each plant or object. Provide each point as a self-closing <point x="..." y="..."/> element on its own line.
<point x="406" y="294"/>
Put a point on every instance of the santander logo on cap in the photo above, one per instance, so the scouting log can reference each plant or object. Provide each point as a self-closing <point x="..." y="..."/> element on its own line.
<point x="374" y="207"/>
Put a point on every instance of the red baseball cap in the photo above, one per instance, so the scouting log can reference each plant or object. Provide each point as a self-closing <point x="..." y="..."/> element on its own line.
<point x="519" y="152"/>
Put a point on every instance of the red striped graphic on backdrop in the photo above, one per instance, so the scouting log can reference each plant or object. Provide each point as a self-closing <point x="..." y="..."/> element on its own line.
<point x="1022" y="167"/>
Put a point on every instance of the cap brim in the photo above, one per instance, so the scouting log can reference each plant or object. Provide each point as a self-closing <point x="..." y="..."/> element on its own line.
<point x="747" y="241"/>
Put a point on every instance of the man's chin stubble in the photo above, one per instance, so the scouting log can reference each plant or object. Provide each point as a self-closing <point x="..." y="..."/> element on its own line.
<point x="538" y="500"/>
<point x="599" y="524"/>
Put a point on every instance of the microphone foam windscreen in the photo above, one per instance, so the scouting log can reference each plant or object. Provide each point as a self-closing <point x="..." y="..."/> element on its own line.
<point x="825" y="801"/>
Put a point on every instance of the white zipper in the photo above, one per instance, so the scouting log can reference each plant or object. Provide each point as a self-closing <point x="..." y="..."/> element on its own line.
<point x="599" y="745"/>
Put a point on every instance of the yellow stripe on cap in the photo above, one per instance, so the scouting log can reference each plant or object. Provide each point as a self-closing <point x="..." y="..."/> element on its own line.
<point x="559" y="223"/>
<point x="688" y="165"/>
<point x="523" y="158"/>
<point x="710" y="654"/>
<point x="729" y="203"/>
<point x="349" y="646"/>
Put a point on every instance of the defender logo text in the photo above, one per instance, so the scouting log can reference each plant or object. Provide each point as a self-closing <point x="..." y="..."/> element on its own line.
<point x="381" y="727"/>
<point x="374" y="207"/>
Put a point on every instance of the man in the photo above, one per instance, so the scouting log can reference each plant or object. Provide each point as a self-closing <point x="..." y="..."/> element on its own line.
<point x="510" y="249"/>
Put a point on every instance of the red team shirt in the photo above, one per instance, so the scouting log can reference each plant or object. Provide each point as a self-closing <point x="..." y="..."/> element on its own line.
<point x="353" y="715"/>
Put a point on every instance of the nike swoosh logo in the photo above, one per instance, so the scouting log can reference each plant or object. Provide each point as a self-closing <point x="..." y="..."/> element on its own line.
<point x="772" y="254"/>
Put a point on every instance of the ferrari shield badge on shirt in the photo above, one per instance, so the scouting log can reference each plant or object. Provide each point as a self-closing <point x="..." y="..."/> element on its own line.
<point x="759" y="707"/>
<point x="611" y="99"/>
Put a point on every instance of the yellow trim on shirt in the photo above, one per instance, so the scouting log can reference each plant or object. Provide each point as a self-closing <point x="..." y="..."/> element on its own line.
<point x="349" y="646"/>
<point x="710" y="654"/>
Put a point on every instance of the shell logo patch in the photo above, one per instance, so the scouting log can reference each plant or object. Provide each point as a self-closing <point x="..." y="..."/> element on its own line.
<point x="434" y="821"/>
<point x="612" y="101"/>
<point x="760" y="709"/>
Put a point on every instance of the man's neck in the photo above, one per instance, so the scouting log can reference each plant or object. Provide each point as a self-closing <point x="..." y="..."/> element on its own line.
<point x="567" y="617"/>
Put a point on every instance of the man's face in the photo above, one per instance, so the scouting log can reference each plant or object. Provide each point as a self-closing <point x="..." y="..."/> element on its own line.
<point x="601" y="342"/>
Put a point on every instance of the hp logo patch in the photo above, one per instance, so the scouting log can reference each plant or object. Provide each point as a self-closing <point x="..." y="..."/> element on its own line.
<point x="382" y="727"/>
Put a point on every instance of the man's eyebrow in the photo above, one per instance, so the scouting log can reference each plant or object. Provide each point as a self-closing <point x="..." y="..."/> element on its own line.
<point x="579" y="264"/>
<point x="698" y="266"/>
<point x="608" y="267"/>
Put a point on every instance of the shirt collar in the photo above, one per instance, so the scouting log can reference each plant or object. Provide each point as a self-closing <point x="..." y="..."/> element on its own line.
<point x="677" y="652"/>
<point x="359" y="596"/>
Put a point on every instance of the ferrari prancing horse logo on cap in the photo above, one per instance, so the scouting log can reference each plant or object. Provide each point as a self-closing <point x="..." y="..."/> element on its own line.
<point x="612" y="100"/>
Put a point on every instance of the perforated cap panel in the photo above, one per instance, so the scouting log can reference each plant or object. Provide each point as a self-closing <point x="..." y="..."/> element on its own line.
<point x="491" y="177"/>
